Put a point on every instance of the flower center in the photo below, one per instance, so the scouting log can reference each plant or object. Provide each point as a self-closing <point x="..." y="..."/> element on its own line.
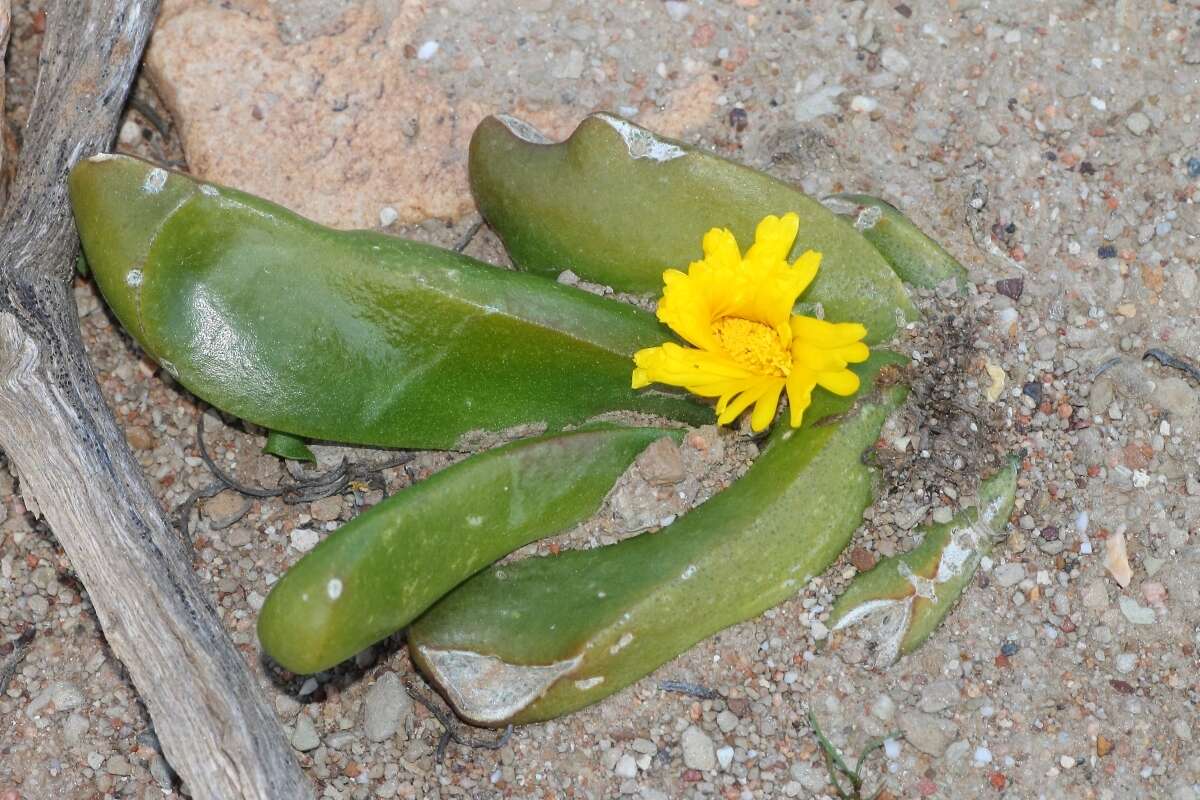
<point x="753" y="345"/>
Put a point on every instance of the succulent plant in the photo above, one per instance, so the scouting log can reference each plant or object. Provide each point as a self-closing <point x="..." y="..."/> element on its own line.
<point x="348" y="336"/>
<point x="379" y="571"/>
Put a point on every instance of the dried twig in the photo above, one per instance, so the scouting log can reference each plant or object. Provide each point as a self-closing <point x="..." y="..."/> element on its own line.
<point x="1184" y="365"/>
<point x="450" y="726"/>
<point x="301" y="489"/>
<point x="208" y="709"/>
<point x="690" y="689"/>
<point x="8" y="667"/>
<point x="468" y="236"/>
<point x="158" y="123"/>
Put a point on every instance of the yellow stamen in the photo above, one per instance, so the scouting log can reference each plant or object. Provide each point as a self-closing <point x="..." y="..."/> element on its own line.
<point x="753" y="345"/>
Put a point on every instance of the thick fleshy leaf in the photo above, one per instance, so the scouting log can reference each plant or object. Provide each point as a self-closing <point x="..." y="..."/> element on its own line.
<point x="383" y="568"/>
<point x="287" y="446"/>
<point x="542" y="637"/>
<point x="900" y="601"/>
<point x="917" y="259"/>
<point x="618" y="205"/>
<point x="349" y="336"/>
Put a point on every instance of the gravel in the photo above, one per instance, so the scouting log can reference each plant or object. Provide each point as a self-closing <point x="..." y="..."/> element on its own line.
<point x="385" y="707"/>
<point x="1054" y="146"/>
<point x="698" y="749"/>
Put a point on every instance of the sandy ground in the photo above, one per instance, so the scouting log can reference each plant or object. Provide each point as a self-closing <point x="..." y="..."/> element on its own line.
<point x="1051" y="142"/>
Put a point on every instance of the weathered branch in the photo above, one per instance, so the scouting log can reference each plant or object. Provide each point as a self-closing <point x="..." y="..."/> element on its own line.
<point x="209" y="714"/>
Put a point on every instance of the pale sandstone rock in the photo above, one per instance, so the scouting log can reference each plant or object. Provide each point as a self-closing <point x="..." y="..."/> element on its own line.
<point x="332" y="118"/>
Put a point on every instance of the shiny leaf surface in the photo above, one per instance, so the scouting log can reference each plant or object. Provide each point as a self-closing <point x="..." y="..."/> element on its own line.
<point x="349" y="336"/>
<point x="618" y="205"/>
<point x="916" y="258"/>
<point x="383" y="568"/>
<point x="542" y="637"/>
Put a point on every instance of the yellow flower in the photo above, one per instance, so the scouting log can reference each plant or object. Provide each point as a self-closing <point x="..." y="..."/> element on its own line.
<point x="747" y="345"/>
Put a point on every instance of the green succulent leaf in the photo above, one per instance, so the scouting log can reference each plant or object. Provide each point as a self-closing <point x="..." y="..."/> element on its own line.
<point x="380" y="570"/>
<point x="917" y="259"/>
<point x="542" y="637"/>
<point x="618" y="205"/>
<point x="348" y="336"/>
<point x="899" y="602"/>
<point x="287" y="446"/>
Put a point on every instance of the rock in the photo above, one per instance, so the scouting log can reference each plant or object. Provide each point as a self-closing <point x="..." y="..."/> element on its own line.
<point x="225" y="508"/>
<point x="698" y="750"/>
<point x="894" y="61"/>
<point x="727" y="721"/>
<point x="636" y="505"/>
<point x="239" y="537"/>
<point x="75" y="727"/>
<point x="1182" y="729"/>
<point x="863" y="104"/>
<point x="862" y="558"/>
<point x="327" y="509"/>
<point x="1178" y="399"/>
<point x="1101" y="395"/>
<point x="286" y="706"/>
<point x="957" y="751"/>
<point x="938" y="696"/>
<point x="818" y="104"/>
<point x="626" y="767"/>
<point x="161" y="771"/>
<point x="66" y="696"/>
<point x="1116" y="560"/>
<point x="117" y="764"/>
<point x="929" y="734"/>
<point x="725" y="756"/>
<point x="276" y="102"/>
<point x="1135" y="612"/>
<point x="304" y="737"/>
<point x="304" y="539"/>
<point x="61" y="695"/>
<point x="39" y="606"/>
<point x="644" y="746"/>
<point x="1126" y="663"/>
<point x="139" y="438"/>
<point x="385" y="707"/>
<point x="661" y="464"/>
<point x="810" y="777"/>
<point x="1010" y="574"/>
<point x="1137" y="123"/>
<point x="883" y="709"/>
<point x="988" y="134"/>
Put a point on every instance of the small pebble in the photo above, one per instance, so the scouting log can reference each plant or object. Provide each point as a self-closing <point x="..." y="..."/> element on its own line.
<point x="304" y="539"/>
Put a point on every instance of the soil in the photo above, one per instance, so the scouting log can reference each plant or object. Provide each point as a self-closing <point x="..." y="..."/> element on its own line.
<point x="1053" y="149"/>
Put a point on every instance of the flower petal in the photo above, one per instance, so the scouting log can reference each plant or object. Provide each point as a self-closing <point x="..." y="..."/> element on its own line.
<point x="806" y="267"/>
<point x="843" y="382"/>
<point x="721" y="249"/>
<point x="743" y="400"/>
<point x="799" y="389"/>
<point x="764" y="408"/>
<point x="773" y="238"/>
<point x="824" y="334"/>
